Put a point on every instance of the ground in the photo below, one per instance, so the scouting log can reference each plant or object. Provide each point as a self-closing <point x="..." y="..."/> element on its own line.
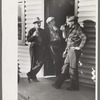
<point x="43" y="90"/>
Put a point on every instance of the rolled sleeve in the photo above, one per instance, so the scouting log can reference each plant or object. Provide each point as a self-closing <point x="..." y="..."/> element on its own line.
<point x="82" y="36"/>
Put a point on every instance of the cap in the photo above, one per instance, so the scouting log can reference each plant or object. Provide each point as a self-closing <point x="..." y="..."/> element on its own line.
<point x="49" y="19"/>
<point x="72" y="18"/>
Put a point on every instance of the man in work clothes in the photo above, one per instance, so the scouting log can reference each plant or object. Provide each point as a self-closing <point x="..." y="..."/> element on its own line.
<point x="36" y="36"/>
<point x="75" y="39"/>
<point x="54" y="43"/>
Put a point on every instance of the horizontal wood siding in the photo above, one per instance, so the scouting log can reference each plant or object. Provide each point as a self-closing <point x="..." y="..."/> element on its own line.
<point x="23" y="60"/>
<point x="87" y="11"/>
<point x="32" y="9"/>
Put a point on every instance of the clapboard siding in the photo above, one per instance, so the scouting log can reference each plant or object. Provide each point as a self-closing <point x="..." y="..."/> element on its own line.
<point x="32" y="9"/>
<point x="86" y="10"/>
<point x="23" y="58"/>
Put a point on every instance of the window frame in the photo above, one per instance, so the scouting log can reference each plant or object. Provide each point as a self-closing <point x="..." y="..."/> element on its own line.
<point x="22" y="41"/>
<point x="76" y="7"/>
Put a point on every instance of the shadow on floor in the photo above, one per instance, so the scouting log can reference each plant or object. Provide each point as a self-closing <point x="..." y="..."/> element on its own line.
<point x="43" y="90"/>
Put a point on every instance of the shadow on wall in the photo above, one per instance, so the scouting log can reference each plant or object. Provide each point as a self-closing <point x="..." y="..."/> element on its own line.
<point x="89" y="29"/>
<point x="87" y="69"/>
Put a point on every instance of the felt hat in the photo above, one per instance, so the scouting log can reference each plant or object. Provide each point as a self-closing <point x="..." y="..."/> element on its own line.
<point x="37" y="20"/>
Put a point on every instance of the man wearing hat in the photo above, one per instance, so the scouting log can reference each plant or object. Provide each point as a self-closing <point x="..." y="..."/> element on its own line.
<point x="36" y="36"/>
<point x="65" y="28"/>
<point x="54" y="43"/>
<point x="75" y="39"/>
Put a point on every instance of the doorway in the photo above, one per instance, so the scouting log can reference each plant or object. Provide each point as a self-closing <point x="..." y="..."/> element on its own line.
<point x="58" y="9"/>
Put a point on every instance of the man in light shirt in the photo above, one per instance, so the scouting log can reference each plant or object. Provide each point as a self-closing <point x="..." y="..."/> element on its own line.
<point x="54" y="43"/>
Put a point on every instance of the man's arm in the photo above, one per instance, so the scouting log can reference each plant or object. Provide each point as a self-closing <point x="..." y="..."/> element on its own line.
<point x="31" y="37"/>
<point x="82" y="36"/>
<point x="62" y="28"/>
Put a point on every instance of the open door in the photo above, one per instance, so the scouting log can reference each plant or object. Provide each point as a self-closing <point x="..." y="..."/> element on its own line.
<point x="58" y="9"/>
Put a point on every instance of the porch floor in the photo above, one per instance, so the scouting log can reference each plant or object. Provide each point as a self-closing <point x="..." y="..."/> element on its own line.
<point x="43" y="90"/>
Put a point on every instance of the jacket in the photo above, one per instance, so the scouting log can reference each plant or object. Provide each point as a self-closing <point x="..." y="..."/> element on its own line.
<point x="39" y="40"/>
<point x="76" y="37"/>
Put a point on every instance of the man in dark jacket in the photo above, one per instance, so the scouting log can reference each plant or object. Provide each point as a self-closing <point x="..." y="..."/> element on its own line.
<point x="75" y="39"/>
<point x="36" y="36"/>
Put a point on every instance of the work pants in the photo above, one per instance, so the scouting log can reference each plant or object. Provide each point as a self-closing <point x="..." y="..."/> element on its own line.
<point x="37" y="59"/>
<point x="55" y="51"/>
<point x="71" y="67"/>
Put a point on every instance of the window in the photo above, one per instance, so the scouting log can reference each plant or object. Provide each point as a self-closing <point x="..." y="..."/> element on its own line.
<point x="21" y="32"/>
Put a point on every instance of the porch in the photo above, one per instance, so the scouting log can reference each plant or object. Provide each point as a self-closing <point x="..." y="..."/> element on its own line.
<point x="43" y="90"/>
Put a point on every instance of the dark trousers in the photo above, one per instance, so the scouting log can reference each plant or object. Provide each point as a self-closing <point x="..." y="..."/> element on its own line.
<point x="60" y="80"/>
<point x="37" y="60"/>
<point x="56" y="57"/>
<point x="73" y="73"/>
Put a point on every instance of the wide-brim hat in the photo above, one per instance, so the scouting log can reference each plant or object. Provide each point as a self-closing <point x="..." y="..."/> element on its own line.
<point x="49" y="19"/>
<point x="37" y="20"/>
<point x="72" y="18"/>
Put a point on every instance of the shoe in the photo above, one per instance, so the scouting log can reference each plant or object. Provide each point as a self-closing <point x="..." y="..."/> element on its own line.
<point x="55" y="86"/>
<point x="72" y="89"/>
<point x="35" y="80"/>
<point x="29" y="78"/>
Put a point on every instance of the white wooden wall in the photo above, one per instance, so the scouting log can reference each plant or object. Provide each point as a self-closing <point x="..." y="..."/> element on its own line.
<point x="86" y="10"/>
<point x="32" y="9"/>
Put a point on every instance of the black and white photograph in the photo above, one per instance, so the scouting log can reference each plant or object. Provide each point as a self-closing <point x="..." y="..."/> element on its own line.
<point x="54" y="50"/>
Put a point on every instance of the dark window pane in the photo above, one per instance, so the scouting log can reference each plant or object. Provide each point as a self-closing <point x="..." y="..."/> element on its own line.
<point x="20" y="21"/>
<point x="19" y="31"/>
<point x="19" y="12"/>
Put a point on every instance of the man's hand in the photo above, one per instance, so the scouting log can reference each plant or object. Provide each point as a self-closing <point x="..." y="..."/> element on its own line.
<point x="55" y="28"/>
<point x="35" y="33"/>
<point x="63" y="69"/>
<point x="62" y="28"/>
<point x="64" y="54"/>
